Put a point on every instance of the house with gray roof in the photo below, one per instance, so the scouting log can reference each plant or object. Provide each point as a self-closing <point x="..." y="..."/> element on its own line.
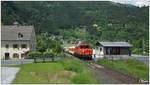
<point x="17" y="41"/>
<point x="113" y="49"/>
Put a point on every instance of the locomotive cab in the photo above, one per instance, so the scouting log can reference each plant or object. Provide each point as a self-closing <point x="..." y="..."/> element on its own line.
<point x="83" y="50"/>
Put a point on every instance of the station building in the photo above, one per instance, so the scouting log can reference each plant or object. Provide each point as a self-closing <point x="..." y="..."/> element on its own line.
<point x="116" y="49"/>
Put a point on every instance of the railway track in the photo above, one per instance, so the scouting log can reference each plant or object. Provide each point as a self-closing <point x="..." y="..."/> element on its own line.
<point x="108" y="75"/>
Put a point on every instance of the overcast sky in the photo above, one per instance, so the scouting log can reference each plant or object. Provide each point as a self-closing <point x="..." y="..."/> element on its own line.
<point x="136" y="3"/>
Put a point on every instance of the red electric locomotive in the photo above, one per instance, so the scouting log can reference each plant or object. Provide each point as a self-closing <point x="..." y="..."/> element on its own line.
<point x="83" y="50"/>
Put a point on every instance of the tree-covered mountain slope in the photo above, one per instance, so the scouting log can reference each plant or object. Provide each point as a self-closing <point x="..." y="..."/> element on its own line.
<point x="105" y="21"/>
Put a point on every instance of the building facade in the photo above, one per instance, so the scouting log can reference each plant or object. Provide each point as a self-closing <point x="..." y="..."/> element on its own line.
<point x="17" y="41"/>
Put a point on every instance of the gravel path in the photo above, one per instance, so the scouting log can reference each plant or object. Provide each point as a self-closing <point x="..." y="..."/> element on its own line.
<point x="8" y="74"/>
<point x="109" y="76"/>
<point x="102" y="77"/>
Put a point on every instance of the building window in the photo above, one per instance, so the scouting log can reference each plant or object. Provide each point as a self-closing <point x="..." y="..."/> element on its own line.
<point x="23" y="46"/>
<point x="20" y="35"/>
<point x="22" y="55"/>
<point x="15" y="55"/>
<point x="6" y="56"/>
<point x="112" y="51"/>
<point x="7" y="46"/>
<point x="100" y="49"/>
<point x="15" y="46"/>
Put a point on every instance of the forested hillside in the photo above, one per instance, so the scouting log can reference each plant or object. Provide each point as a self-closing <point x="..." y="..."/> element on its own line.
<point x="105" y="21"/>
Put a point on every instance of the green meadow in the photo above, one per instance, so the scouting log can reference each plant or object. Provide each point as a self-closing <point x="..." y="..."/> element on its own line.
<point x="65" y="71"/>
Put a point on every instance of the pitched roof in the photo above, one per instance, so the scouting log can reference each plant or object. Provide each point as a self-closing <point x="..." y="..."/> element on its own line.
<point x="115" y="44"/>
<point x="11" y="32"/>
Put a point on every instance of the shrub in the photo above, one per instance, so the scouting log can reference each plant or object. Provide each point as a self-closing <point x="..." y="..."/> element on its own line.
<point x="34" y="54"/>
<point x="60" y="55"/>
<point x="49" y="54"/>
<point x="58" y="49"/>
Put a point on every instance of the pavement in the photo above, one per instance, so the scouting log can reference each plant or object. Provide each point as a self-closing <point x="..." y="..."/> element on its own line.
<point x="8" y="74"/>
<point x="144" y="59"/>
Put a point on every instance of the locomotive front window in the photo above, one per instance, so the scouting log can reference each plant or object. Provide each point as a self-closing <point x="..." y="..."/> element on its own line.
<point x="84" y="47"/>
<point x="81" y="47"/>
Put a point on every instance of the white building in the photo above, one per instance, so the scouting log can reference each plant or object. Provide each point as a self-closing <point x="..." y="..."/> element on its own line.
<point x="17" y="41"/>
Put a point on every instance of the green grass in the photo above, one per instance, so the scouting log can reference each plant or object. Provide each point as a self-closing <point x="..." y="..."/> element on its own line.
<point x="37" y="72"/>
<point x="83" y="76"/>
<point x="130" y="66"/>
<point x="65" y="71"/>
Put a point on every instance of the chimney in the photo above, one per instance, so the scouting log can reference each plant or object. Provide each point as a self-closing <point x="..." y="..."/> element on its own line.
<point x="15" y="24"/>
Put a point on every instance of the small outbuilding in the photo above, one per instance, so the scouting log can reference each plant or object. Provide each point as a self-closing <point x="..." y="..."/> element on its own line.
<point x="113" y="49"/>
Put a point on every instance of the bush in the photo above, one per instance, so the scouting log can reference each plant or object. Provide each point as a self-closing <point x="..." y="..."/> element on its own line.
<point x="60" y="55"/>
<point x="49" y="54"/>
<point x="34" y="54"/>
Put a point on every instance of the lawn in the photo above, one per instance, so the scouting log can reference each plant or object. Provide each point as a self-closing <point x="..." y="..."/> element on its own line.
<point x="65" y="71"/>
<point x="130" y="66"/>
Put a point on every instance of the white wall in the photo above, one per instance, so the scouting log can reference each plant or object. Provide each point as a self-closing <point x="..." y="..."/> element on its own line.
<point x="98" y="53"/>
<point x="11" y="50"/>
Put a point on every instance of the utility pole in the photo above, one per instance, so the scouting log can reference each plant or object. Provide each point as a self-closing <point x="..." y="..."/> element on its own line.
<point x="143" y="47"/>
<point x="84" y="33"/>
<point x="84" y="36"/>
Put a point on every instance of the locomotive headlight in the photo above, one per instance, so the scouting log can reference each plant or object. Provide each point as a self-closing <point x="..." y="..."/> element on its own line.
<point x="83" y="51"/>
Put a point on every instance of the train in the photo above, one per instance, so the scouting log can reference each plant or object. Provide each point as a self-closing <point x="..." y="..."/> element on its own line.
<point x="82" y="50"/>
<point x="69" y="50"/>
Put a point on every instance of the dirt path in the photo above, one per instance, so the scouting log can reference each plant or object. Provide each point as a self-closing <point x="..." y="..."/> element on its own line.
<point x="109" y="76"/>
